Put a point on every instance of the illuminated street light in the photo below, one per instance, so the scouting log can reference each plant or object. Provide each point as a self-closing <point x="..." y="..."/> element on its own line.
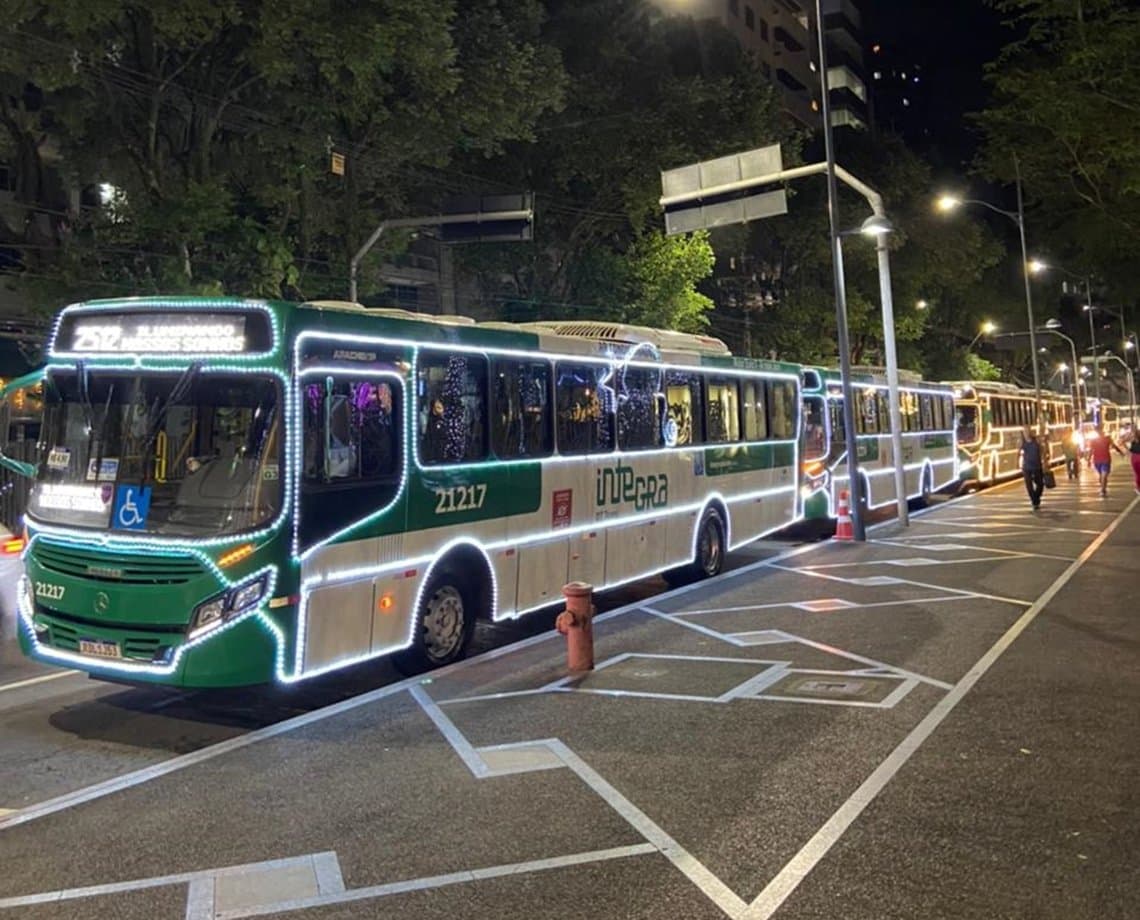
<point x="921" y="304"/>
<point x="947" y="203"/>
<point x="987" y="328"/>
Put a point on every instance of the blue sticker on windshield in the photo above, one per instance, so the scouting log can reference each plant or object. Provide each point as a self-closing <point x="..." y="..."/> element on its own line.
<point x="132" y="504"/>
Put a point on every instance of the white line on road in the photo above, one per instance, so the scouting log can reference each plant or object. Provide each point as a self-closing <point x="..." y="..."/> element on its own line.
<point x="789" y="878"/>
<point x="55" y="675"/>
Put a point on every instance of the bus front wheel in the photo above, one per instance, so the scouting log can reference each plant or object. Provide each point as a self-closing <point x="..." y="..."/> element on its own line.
<point x="445" y="622"/>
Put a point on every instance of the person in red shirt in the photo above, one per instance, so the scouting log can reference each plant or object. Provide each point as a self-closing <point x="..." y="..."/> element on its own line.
<point x="1101" y="446"/>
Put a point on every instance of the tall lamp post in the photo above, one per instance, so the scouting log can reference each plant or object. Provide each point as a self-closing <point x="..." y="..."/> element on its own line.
<point x="986" y="328"/>
<point x="854" y="484"/>
<point x="949" y="203"/>
<point x="1053" y="327"/>
<point x="1109" y="356"/>
<point x="1036" y="266"/>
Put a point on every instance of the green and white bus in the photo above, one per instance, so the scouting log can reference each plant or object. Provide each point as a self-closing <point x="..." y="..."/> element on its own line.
<point x="232" y="492"/>
<point x="928" y="446"/>
<point x="990" y="417"/>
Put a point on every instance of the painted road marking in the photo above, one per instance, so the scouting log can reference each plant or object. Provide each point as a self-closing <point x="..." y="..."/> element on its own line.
<point x="796" y="870"/>
<point x="56" y="675"/>
<point x="182" y="761"/>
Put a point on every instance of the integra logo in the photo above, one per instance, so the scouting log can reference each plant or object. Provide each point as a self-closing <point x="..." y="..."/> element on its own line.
<point x="620" y="484"/>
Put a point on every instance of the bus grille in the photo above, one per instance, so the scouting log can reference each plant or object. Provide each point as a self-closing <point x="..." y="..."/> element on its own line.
<point x="116" y="567"/>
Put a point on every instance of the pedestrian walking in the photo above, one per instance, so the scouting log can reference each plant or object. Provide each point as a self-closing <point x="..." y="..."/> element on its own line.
<point x="1134" y="451"/>
<point x="1100" y="448"/>
<point x="1071" y="447"/>
<point x="1034" y="456"/>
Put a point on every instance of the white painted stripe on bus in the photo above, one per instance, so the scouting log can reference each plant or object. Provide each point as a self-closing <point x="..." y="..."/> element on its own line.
<point x="56" y="675"/>
<point x="777" y="891"/>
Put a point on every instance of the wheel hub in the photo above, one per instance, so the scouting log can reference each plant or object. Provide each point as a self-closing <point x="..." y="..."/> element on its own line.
<point x="443" y="622"/>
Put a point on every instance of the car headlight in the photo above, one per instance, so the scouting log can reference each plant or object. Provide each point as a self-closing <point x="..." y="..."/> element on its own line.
<point x="212" y="613"/>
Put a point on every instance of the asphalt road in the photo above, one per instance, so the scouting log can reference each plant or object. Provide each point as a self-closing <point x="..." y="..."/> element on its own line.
<point x="938" y="723"/>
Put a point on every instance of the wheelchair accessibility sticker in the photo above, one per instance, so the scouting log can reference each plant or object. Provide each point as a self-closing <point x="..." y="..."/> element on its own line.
<point x="132" y="504"/>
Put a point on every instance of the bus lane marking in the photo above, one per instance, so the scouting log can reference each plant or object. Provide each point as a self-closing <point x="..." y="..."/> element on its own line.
<point x="788" y="879"/>
<point x="31" y="681"/>
<point x="182" y="761"/>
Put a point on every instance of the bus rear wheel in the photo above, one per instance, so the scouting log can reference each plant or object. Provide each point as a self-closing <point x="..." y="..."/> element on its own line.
<point x="445" y="622"/>
<point x="708" y="559"/>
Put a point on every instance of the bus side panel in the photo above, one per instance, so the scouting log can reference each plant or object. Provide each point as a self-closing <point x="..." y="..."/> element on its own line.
<point x="338" y="624"/>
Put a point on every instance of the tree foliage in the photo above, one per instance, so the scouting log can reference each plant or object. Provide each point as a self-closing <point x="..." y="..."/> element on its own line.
<point x="1065" y="105"/>
<point x="213" y="123"/>
<point x="646" y="92"/>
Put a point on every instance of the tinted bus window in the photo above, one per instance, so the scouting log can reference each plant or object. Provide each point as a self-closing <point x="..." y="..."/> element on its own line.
<point x="639" y="406"/>
<point x="814" y="438"/>
<point x="926" y="412"/>
<point x="683" y="398"/>
<point x="755" y="416"/>
<point x="585" y="414"/>
<point x="522" y="421"/>
<point x="782" y="406"/>
<point x="452" y="408"/>
<point x="867" y="418"/>
<point x="722" y="412"/>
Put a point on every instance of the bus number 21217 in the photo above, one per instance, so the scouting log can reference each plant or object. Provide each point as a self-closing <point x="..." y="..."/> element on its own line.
<point x="460" y="498"/>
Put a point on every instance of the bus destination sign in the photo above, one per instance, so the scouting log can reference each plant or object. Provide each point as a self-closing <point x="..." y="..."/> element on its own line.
<point x="154" y="333"/>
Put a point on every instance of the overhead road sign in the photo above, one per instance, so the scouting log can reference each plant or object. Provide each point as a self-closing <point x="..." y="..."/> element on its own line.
<point x="727" y="190"/>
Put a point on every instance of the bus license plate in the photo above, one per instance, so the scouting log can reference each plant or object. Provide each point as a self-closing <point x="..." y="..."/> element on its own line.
<point x="99" y="649"/>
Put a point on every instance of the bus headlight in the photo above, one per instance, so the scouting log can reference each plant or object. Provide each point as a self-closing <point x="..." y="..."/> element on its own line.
<point x="217" y="610"/>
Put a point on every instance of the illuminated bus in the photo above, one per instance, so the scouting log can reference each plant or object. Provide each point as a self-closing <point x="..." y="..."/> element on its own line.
<point x="929" y="453"/>
<point x="990" y="418"/>
<point x="232" y="492"/>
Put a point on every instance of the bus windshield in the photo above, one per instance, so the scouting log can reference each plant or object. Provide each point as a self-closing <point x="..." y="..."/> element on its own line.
<point x="178" y="454"/>
<point x="968" y="431"/>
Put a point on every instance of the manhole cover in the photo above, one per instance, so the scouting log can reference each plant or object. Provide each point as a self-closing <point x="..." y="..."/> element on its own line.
<point x="839" y="688"/>
<point x="686" y="677"/>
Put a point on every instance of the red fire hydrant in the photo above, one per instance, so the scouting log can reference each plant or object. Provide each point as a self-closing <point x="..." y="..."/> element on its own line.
<point x="576" y="623"/>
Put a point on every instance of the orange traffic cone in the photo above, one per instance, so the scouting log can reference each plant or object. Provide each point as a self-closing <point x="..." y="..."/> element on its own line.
<point x="843" y="527"/>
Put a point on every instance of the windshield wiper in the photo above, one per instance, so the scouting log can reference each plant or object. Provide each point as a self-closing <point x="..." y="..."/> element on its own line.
<point x="181" y="387"/>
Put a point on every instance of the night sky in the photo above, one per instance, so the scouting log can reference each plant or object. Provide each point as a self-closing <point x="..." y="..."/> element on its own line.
<point x="951" y="40"/>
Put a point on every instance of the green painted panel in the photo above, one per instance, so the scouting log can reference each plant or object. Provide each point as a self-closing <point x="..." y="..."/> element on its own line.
<point x="720" y="461"/>
<point x="442" y="496"/>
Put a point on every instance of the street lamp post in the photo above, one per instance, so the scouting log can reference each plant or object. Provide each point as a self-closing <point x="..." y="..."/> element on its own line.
<point x="854" y="484"/>
<point x="1053" y="327"/>
<point x="987" y="328"/>
<point x="1109" y="356"/>
<point x="1092" y="340"/>
<point x="948" y="203"/>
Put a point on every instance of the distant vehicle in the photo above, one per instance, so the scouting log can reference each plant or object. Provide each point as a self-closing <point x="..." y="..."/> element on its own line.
<point x="990" y="417"/>
<point x="929" y="458"/>
<point x="11" y="546"/>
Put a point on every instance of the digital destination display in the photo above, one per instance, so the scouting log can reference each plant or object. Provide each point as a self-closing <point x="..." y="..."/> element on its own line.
<point x="150" y="333"/>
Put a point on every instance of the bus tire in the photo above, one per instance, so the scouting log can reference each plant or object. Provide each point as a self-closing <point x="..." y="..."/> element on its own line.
<point x="708" y="559"/>
<point x="927" y="487"/>
<point x="711" y="546"/>
<point x="445" y="622"/>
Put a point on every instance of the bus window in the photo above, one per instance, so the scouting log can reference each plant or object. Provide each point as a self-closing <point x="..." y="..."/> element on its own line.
<point x="521" y="418"/>
<point x="683" y="396"/>
<point x="585" y="408"/>
<point x="838" y="431"/>
<point x="947" y="412"/>
<point x="452" y="406"/>
<point x="722" y="411"/>
<point x="639" y="405"/>
<point x="782" y="404"/>
<point x="349" y="431"/>
<point x="814" y="437"/>
<point x="752" y="401"/>
<point x="867" y="418"/>
<point x="926" y="411"/>
<point x="884" y="405"/>
<point x="968" y="431"/>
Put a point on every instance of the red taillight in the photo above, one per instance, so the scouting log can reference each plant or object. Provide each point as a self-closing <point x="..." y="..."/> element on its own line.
<point x="13" y="546"/>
